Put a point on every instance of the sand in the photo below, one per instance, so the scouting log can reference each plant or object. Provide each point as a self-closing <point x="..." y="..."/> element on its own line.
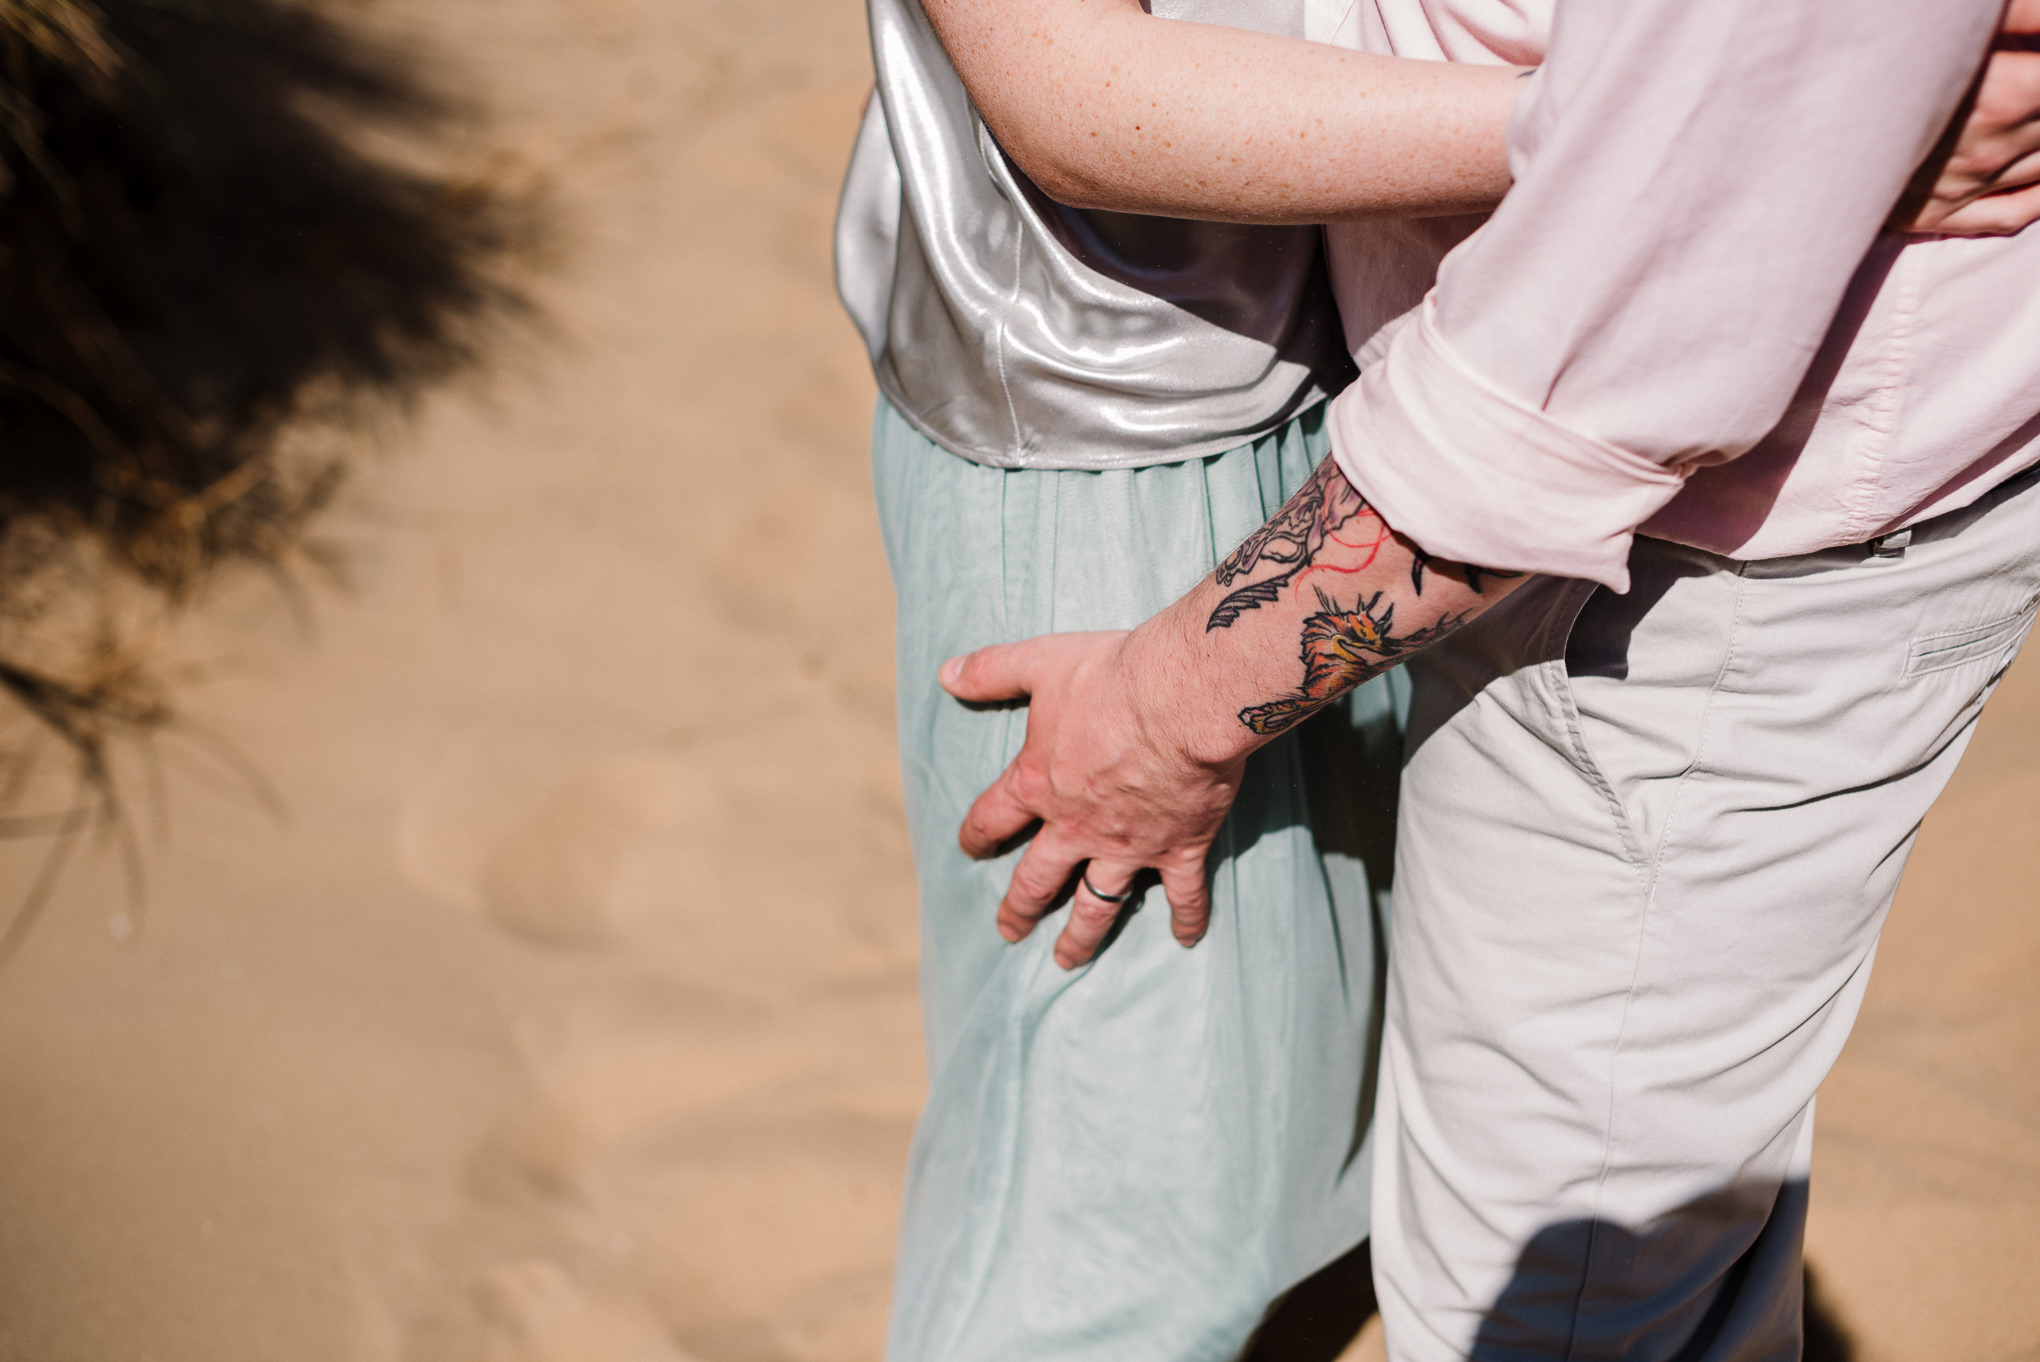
<point x="563" y="1008"/>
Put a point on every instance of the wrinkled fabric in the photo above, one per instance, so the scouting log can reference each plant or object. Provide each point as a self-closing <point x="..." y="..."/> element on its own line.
<point x="1687" y="315"/>
<point x="1127" y="1162"/>
<point x="1020" y="333"/>
<point x="1647" y="845"/>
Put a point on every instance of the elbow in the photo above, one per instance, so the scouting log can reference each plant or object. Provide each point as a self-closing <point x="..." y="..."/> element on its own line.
<point x="1068" y="185"/>
<point x="1073" y="180"/>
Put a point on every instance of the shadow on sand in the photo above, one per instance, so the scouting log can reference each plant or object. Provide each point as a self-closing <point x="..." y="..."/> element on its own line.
<point x="1319" y="1319"/>
<point x="201" y="259"/>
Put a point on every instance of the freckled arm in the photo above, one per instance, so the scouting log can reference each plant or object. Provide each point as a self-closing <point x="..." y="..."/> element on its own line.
<point x="1105" y="106"/>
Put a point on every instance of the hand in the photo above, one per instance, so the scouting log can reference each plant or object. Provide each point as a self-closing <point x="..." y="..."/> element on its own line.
<point x="1136" y="742"/>
<point x="1109" y="776"/>
<point x="1984" y="177"/>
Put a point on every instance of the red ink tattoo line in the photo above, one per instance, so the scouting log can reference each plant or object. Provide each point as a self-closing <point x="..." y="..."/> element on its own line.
<point x="1373" y="552"/>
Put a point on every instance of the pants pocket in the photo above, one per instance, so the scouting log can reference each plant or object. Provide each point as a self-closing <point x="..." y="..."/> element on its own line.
<point x="1995" y="642"/>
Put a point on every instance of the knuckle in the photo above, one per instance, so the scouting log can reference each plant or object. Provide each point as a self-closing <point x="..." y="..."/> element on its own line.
<point x="1024" y="914"/>
<point x="1034" y="882"/>
<point x="1027" y="781"/>
<point x="1026" y="894"/>
<point x="976" y="669"/>
<point x="1092" y="912"/>
<point x="996" y="816"/>
<point x="976" y="834"/>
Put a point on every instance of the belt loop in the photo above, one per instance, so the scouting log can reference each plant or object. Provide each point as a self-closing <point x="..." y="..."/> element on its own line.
<point x="1892" y="545"/>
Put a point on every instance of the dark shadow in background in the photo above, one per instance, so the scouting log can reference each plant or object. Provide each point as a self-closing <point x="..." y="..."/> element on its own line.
<point x="1735" y="1314"/>
<point x="1322" y="1315"/>
<point x="198" y="254"/>
<point x="1827" y="1338"/>
<point x="193" y="244"/>
<point x="1318" y="1318"/>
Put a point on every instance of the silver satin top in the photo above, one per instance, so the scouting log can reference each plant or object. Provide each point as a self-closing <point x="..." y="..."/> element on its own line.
<point x="1020" y="333"/>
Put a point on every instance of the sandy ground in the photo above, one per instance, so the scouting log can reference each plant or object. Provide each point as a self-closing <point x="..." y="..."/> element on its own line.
<point x="566" y="1012"/>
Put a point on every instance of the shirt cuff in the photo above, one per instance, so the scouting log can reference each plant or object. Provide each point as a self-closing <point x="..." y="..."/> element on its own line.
<point x="1476" y="476"/>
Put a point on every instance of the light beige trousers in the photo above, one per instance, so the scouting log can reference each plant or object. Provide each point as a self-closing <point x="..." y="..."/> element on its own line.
<point x="1647" y="844"/>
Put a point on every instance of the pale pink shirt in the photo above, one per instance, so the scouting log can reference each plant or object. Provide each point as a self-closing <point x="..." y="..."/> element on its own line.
<point x="1686" y="317"/>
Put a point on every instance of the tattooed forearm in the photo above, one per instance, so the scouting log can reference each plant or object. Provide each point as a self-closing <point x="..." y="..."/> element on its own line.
<point x="1329" y="527"/>
<point x="1343" y="648"/>
<point x="1290" y="542"/>
<point x="1298" y="530"/>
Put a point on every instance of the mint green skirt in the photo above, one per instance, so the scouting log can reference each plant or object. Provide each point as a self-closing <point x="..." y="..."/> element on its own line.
<point x="1126" y="1163"/>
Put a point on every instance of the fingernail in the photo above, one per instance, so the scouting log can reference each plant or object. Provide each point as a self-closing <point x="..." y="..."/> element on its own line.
<point x="1012" y="934"/>
<point x="1064" y="961"/>
<point x="951" y="669"/>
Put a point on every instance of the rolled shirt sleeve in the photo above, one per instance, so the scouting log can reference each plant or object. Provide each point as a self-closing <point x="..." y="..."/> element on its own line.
<point x="1696" y="185"/>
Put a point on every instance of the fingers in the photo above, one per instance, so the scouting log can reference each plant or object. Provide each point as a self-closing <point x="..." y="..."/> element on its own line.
<point x="1000" y="672"/>
<point x="1039" y="877"/>
<point x="996" y="817"/>
<point x="1045" y="871"/>
<point x="1091" y="914"/>
<point x="2003" y="214"/>
<point x="1189" y="900"/>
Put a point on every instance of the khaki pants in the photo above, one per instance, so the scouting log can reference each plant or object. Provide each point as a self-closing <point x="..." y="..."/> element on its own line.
<point x="1647" y="844"/>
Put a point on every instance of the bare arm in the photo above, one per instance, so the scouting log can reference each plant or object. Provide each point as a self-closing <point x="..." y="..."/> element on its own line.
<point x="1136" y="741"/>
<point x="1105" y="106"/>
